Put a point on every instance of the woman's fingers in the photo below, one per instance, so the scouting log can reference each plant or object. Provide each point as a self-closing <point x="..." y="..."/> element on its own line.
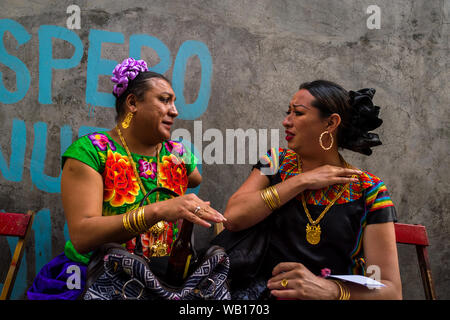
<point x="283" y="273"/>
<point x="285" y="281"/>
<point x="203" y="210"/>
<point x="351" y="172"/>
<point x="344" y="172"/>
<point x="197" y="220"/>
<point x="280" y="281"/>
<point x="192" y="208"/>
<point x="343" y="180"/>
<point x="285" y="266"/>
<point x="212" y="215"/>
<point x="285" y="294"/>
<point x="328" y="175"/>
<point x="347" y="175"/>
<point x="198" y="211"/>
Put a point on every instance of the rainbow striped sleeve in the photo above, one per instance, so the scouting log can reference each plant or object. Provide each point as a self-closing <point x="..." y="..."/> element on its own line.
<point x="269" y="163"/>
<point x="378" y="197"/>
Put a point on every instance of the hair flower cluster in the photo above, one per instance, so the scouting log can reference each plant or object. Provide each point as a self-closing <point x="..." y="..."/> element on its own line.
<point x="125" y="72"/>
<point x="364" y="119"/>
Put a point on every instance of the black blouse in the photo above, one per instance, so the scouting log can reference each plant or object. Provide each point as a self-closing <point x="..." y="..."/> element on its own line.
<point x="340" y="246"/>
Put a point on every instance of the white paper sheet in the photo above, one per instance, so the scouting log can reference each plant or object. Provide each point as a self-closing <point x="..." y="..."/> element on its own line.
<point x="365" y="281"/>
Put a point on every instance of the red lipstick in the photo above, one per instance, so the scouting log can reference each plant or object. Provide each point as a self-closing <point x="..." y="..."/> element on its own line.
<point x="289" y="135"/>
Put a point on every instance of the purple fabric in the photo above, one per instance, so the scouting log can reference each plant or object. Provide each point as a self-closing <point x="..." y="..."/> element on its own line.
<point x="51" y="281"/>
<point x="125" y="72"/>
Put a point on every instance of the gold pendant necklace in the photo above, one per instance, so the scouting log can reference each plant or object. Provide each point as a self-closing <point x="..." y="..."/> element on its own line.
<point x="313" y="230"/>
<point x="313" y="233"/>
<point x="159" y="248"/>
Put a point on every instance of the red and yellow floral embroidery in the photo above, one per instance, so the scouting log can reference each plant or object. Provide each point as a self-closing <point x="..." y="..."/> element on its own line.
<point x="172" y="174"/>
<point x="120" y="184"/>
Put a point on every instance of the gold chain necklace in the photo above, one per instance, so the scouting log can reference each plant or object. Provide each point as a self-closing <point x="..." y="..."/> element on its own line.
<point x="122" y="139"/>
<point x="313" y="230"/>
<point x="157" y="229"/>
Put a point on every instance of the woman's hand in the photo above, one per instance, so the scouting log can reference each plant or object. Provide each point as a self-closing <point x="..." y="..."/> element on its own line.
<point x="301" y="283"/>
<point x="185" y="207"/>
<point x="327" y="175"/>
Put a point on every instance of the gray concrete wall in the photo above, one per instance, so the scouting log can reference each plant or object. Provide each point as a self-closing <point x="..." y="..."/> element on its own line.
<point x="246" y="61"/>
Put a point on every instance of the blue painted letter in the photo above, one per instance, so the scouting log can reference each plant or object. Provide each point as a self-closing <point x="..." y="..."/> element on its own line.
<point x="42" y="227"/>
<point x="46" y="61"/>
<point x="23" y="78"/>
<point x="16" y="160"/>
<point x="97" y="66"/>
<point x="41" y="180"/>
<point x="137" y="41"/>
<point x="188" y="49"/>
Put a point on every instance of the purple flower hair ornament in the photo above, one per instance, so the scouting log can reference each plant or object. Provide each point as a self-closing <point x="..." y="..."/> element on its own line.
<point x="125" y="72"/>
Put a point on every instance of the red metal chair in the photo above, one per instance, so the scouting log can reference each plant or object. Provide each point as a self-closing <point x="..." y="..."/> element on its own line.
<point x="416" y="234"/>
<point x="17" y="225"/>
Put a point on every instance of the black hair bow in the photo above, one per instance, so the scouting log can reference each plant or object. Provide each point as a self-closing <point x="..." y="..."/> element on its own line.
<point x="364" y="119"/>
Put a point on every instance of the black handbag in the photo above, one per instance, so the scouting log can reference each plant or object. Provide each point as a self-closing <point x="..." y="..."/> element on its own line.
<point x="247" y="248"/>
<point x="115" y="274"/>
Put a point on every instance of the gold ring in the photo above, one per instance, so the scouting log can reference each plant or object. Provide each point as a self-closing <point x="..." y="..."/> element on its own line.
<point x="284" y="283"/>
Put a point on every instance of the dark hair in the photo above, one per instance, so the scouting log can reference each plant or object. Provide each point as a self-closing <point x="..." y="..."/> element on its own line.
<point x="138" y="86"/>
<point x="357" y="112"/>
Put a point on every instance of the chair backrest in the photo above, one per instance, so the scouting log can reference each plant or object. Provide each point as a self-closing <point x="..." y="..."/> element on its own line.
<point x="17" y="225"/>
<point x="415" y="234"/>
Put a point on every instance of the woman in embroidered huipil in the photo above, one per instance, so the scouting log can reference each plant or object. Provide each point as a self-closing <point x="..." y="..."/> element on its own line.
<point x="328" y="215"/>
<point x="99" y="182"/>
<point x="106" y="175"/>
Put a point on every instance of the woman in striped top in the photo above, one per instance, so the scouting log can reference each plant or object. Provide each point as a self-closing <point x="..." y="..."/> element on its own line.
<point x="327" y="214"/>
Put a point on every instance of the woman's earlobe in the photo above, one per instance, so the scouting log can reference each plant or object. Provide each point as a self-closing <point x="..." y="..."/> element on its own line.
<point x="131" y="102"/>
<point x="333" y="122"/>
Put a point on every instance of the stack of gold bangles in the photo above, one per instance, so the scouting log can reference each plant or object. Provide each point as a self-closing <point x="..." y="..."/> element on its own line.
<point x="344" y="291"/>
<point x="134" y="221"/>
<point x="271" y="198"/>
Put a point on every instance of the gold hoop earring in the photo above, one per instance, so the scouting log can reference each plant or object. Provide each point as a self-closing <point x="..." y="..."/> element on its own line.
<point x="127" y="120"/>
<point x="321" y="143"/>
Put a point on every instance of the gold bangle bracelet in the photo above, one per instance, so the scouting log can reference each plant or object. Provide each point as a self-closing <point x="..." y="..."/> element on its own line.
<point x="272" y="196"/>
<point x="141" y="219"/>
<point x="340" y="289"/>
<point x="136" y="226"/>
<point x="277" y="197"/>
<point x="126" y="223"/>
<point x="137" y="218"/>
<point x="267" y="199"/>
<point x="133" y="228"/>
<point x="344" y="292"/>
<point x="347" y="292"/>
<point x="263" y="196"/>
